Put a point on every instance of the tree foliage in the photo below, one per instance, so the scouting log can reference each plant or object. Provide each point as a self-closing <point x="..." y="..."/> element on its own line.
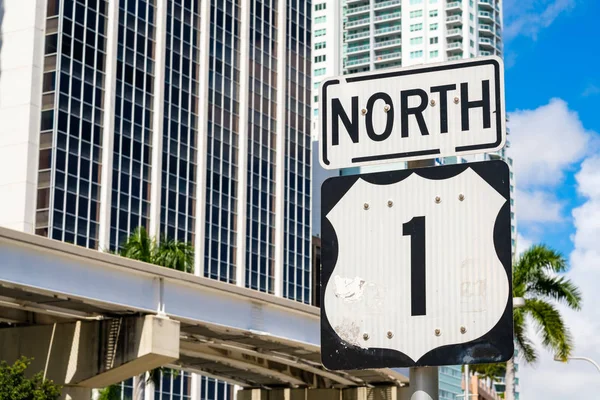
<point x="492" y="371"/>
<point x="14" y="385"/>
<point x="112" y="392"/>
<point x="167" y="252"/>
<point x="536" y="278"/>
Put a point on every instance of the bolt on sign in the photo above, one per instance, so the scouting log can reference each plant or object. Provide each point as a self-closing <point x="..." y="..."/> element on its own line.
<point x="413" y="113"/>
<point x="416" y="267"/>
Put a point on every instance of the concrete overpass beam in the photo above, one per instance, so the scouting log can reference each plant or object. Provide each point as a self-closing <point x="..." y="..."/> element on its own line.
<point x="94" y="354"/>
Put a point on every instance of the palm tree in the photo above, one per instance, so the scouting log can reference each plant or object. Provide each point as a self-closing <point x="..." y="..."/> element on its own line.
<point x="168" y="253"/>
<point x="536" y="279"/>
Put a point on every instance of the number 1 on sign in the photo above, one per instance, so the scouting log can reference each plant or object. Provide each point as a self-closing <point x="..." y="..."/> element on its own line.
<point x="415" y="228"/>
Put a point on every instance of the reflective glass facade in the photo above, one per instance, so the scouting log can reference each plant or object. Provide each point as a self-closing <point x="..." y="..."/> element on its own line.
<point x="262" y="146"/>
<point x="223" y="140"/>
<point x="180" y="126"/>
<point x="71" y="127"/>
<point x="136" y="55"/>
<point x="297" y="150"/>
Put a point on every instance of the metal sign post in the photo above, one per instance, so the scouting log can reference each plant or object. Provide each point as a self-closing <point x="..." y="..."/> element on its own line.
<point x="424" y="381"/>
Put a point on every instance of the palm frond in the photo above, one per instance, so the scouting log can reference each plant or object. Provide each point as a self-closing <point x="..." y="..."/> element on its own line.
<point x="535" y="261"/>
<point x="139" y="246"/>
<point x="175" y="255"/>
<point x="524" y="344"/>
<point x="556" y="288"/>
<point x="555" y="334"/>
<point x="494" y="372"/>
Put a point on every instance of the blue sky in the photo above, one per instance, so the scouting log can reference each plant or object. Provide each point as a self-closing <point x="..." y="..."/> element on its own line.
<point x="552" y="76"/>
<point x="556" y="61"/>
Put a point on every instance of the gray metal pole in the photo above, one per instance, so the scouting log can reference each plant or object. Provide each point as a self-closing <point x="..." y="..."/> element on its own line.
<point x="467" y="382"/>
<point x="424" y="382"/>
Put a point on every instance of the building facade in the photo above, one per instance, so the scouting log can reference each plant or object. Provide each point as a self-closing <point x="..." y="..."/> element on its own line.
<point x="190" y="118"/>
<point x="327" y="49"/>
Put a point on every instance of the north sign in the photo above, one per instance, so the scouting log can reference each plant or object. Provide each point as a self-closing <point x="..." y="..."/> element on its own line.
<point x="413" y="113"/>
<point x="416" y="267"/>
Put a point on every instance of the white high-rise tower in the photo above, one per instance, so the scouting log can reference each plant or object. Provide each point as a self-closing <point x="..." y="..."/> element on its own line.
<point x="367" y="35"/>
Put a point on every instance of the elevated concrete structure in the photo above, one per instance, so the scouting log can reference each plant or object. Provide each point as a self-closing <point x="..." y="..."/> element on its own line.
<point x="242" y="336"/>
<point x="94" y="353"/>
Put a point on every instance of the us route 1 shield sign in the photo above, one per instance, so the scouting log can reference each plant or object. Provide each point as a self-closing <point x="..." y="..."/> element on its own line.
<point x="413" y="113"/>
<point x="416" y="267"/>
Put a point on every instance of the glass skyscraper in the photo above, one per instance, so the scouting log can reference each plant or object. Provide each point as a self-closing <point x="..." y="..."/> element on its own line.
<point x="190" y="118"/>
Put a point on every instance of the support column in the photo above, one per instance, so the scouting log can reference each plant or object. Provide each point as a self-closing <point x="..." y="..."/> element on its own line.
<point x="108" y="137"/>
<point x="202" y="138"/>
<point x="240" y="264"/>
<point x="158" y="119"/>
<point x="93" y="354"/>
<point x="282" y="64"/>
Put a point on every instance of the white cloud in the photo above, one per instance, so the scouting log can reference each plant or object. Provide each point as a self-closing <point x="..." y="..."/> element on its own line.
<point x="529" y="17"/>
<point x="537" y="206"/>
<point x="544" y="142"/>
<point x="550" y="380"/>
<point x="523" y="243"/>
<point x="591" y="90"/>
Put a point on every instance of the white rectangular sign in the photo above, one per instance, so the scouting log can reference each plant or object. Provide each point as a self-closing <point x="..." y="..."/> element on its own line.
<point x="438" y="110"/>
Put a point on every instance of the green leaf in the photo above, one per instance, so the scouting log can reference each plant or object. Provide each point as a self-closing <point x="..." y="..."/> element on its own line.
<point x="14" y="385"/>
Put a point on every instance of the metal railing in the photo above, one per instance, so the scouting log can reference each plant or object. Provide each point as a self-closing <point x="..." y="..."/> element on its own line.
<point x="388" y="43"/>
<point x="388" y="29"/>
<point x="454" y="18"/>
<point x="383" y="57"/>
<point x="364" y="60"/>
<point x="357" y="35"/>
<point x="455" y="31"/>
<point x="387" y="3"/>
<point x="454" y="45"/>
<point x="357" y="49"/>
<point x="385" y="17"/>
<point x="357" y="22"/>
<point x="355" y="10"/>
